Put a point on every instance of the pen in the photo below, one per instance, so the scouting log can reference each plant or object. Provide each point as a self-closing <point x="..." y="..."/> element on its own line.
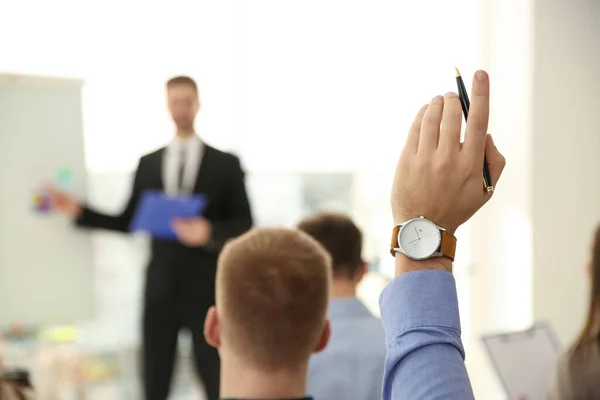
<point x="465" y="103"/>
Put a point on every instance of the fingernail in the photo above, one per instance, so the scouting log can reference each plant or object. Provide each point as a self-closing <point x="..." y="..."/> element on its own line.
<point x="438" y="98"/>
<point x="490" y="139"/>
<point x="481" y="76"/>
<point x="425" y="106"/>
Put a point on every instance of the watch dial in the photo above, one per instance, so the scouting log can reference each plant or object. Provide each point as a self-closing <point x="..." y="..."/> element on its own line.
<point x="419" y="238"/>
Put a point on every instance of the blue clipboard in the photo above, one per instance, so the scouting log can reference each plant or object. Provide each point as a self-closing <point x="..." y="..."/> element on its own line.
<point x="156" y="211"/>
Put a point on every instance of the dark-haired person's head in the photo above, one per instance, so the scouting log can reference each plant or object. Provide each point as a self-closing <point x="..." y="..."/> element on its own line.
<point x="355" y="358"/>
<point x="183" y="102"/>
<point x="343" y="241"/>
<point x="579" y="369"/>
<point x="270" y="314"/>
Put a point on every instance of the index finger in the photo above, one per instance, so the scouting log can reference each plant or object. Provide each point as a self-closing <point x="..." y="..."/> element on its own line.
<point x="479" y="114"/>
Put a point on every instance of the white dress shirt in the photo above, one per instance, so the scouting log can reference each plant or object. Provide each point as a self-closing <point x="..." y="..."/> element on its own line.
<point x="188" y="151"/>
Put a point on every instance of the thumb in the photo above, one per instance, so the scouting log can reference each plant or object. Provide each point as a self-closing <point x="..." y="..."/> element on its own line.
<point x="494" y="159"/>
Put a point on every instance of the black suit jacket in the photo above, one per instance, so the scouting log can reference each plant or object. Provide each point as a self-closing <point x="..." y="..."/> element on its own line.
<point x="220" y="178"/>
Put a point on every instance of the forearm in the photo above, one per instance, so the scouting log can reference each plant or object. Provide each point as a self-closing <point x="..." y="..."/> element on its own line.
<point x="90" y="218"/>
<point x="434" y="372"/>
<point x="420" y="315"/>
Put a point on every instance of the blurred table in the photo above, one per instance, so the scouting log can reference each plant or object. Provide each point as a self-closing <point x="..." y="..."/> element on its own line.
<point x="73" y="370"/>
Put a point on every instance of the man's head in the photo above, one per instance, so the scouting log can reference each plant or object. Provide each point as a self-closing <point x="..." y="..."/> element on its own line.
<point x="271" y="300"/>
<point x="343" y="241"/>
<point x="183" y="102"/>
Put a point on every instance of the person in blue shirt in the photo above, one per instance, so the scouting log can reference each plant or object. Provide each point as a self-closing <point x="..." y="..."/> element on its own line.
<point x="272" y="290"/>
<point x="351" y="366"/>
<point x="439" y="178"/>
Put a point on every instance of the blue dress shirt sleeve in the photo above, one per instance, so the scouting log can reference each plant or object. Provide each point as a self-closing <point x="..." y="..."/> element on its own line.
<point x="425" y="356"/>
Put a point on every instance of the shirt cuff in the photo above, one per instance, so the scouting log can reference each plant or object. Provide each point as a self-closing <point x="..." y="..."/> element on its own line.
<point x="419" y="298"/>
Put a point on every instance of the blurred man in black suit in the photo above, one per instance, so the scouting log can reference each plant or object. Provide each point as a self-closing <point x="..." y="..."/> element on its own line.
<point x="180" y="277"/>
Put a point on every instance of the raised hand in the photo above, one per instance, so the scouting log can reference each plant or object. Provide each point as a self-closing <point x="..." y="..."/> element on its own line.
<point x="439" y="177"/>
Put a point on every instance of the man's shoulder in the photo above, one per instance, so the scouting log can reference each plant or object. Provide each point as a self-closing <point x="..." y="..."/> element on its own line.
<point x="364" y="335"/>
<point x="354" y="360"/>
<point x="153" y="155"/>
<point x="222" y="156"/>
<point x="372" y="327"/>
<point x="212" y="153"/>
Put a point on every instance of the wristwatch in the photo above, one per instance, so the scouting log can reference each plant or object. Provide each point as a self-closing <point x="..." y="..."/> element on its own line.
<point x="421" y="239"/>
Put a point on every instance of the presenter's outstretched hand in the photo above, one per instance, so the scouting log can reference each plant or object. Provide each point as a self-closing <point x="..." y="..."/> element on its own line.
<point x="439" y="177"/>
<point x="64" y="203"/>
<point x="193" y="231"/>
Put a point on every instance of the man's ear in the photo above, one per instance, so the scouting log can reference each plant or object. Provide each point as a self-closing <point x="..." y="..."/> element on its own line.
<point x="325" y="335"/>
<point x="361" y="272"/>
<point x="212" y="329"/>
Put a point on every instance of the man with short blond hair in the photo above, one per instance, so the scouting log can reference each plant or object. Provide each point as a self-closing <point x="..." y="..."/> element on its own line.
<point x="351" y="367"/>
<point x="270" y="314"/>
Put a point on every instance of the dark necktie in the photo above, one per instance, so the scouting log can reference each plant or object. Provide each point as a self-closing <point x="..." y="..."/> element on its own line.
<point x="180" y="182"/>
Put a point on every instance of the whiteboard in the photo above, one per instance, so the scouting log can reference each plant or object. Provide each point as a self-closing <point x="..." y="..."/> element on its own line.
<point x="45" y="264"/>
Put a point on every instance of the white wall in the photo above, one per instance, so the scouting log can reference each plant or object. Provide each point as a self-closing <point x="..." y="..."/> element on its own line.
<point x="501" y="233"/>
<point x="333" y="85"/>
<point x="530" y="243"/>
<point x="566" y="139"/>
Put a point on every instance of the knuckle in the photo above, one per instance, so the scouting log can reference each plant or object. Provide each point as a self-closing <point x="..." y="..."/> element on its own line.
<point x="443" y="163"/>
<point x="454" y="118"/>
<point x="474" y="174"/>
<point x="432" y="119"/>
<point x="480" y="125"/>
<point x="421" y="164"/>
<point x="457" y="111"/>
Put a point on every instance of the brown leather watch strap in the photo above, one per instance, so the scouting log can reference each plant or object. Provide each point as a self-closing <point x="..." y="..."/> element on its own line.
<point x="394" y="244"/>
<point x="447" y="245"/>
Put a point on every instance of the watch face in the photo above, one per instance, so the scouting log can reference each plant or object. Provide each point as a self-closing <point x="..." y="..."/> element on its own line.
<point x="419" y="238"/>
